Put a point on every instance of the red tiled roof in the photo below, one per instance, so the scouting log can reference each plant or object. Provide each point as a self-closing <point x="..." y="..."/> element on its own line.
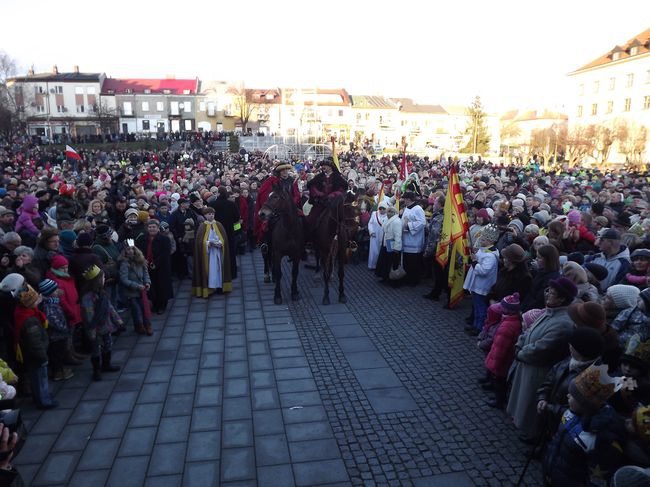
<point x="642" y="41"/>
<point x="266" y="96"/>
<point x="175" y="86"/>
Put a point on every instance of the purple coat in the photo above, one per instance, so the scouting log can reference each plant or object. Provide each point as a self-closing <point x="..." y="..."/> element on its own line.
<point x="27" y="213"/>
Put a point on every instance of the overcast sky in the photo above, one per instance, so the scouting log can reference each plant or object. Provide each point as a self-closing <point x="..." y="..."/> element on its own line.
<point x="514" y="53"/>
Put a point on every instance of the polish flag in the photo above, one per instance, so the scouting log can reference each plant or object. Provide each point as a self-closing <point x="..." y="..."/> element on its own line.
<point x="71" y="153"/>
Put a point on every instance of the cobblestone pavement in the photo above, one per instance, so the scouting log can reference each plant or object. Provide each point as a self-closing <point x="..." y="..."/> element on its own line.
<point x="237" y="391"/>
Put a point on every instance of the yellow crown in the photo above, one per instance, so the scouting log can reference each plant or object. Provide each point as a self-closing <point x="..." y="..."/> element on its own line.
<point x="596" y="386"/>
<point x="91" y="273"/>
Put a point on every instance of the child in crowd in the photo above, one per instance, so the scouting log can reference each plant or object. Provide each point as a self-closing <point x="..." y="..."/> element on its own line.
<point x="57" y="329"/>
<point x="632" y="317"/>
<point x="187" y="244"/>
<point x="638" y="271"/>
<point x="134" y="284"/>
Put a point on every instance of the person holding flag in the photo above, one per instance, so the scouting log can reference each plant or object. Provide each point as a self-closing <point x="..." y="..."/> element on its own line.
<point x="73" y="156"/>
<point x="453" y="246"/>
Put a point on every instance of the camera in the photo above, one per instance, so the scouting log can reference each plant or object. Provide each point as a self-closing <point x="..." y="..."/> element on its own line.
<point x="12" y="419"/>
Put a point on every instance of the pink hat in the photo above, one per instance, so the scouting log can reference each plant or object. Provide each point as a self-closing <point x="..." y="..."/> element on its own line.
<point x="574" y="216"/>
<point x="58" y="261"/>
<point x="530" y="316"/>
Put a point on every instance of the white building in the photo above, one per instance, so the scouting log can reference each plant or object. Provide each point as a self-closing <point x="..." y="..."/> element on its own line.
<point x="614" y="91"/>
<point x="58" y="104"/>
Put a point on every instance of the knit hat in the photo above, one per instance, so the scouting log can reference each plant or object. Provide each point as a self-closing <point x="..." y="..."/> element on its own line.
<point x="640" y="254"/>
<point x="131" y="211"/>
<point x="189" y="221"/>
<point x="600" y="272"/>
<point x="602" y="221"/>
<point x="490" y="233"/>
<point x="517" y="224"/>
<point x="637" y="353"/>
<point x="510" y="304"/>
<point x="564" y="287"/>
<point x="575" y="272"/>
<point x="574" y="217"/>
<point x="587" y="342"/>
<point x="623" y="296"/>
<point x="530" y="316"/>
<point x="532" y="228"/>
<point x="542" y="217"/>
<point x="27" y="296"/>
<point x="153" y="221"/>
<point x="58" y="261"/>
<point x="67" y="236"/>
<point x="483" y="213"/>
<point x="589" y="314"/>
<point x="514" y="253"/>
<point x="84" y="239"/>
<point x="47" y="286"/>
<point x="12" y="283"/>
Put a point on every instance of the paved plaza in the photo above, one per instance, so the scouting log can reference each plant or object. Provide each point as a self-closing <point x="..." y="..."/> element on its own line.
<point x="237" y="391"/>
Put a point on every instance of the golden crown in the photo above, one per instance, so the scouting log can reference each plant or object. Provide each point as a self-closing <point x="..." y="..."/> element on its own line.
<point x="91" y="272"/>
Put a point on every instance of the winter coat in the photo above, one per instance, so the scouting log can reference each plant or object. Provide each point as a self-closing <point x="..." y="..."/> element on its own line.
<point x="537" y="350"/>
<point x="67" y="209"/>
<point x="554" y="391"/>
<point x="69" y="300"/>
<point x="132" y="277"/>
<point x="27" y="213"/>
<point x="433" y="232"/>
<point x="586" y="450"/>
<point x="502" y="352"/>
<point x="535" y="297"/>
<point x="161" y="283"/>
<point x="108" y="254"/>
<point x="34" y="343"/>
<point x="57" y="325"/>
<point x="517" y="280"/>
<point x="483" y="274"/>
<point x="393" y="231"/>
<point x="630" y="322"/>
<point x="94" y="323"/>
<point x="616" y="266"/>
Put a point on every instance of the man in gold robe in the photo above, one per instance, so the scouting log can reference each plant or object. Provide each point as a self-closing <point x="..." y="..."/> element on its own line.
<point x="211" y="258"/>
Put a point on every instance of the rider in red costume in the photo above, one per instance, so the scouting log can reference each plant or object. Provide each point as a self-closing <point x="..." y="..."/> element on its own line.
<point x="327" y="188"/>
<point x="280" y="179"/>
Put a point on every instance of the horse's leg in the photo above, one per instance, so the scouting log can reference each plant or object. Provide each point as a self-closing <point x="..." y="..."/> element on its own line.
<point x="342" y="298"/>
<point x="295" y="266"/>
<point x="277" y="277"/>
<point x="327" y="273"/>
<point x="267" y="265"/>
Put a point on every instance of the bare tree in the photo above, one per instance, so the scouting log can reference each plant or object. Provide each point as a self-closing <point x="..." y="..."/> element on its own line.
<point x="631" y="140"/>
<point x="107" y="117"/>
<point x="605" y="138"/>
<point x="243" y="106"/>
<point x="11" y="102"/>
<point x="580" y="142"/>
<point x="547" y="143"/>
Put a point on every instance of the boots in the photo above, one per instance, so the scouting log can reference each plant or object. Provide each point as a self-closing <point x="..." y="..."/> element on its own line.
<point x="97" y="372"/>
<point x="149" y="330"/>
<point x="106" y="363"/>
<point x="140" y="330"/>
<point x="63" y="374"/>
<point x="500" y="387"/>
<point x="487" y="378"/>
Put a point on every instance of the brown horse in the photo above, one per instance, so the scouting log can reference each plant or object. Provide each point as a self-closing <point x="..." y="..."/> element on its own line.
<point x="332" y="238"/>
<point x="286" y="239"/>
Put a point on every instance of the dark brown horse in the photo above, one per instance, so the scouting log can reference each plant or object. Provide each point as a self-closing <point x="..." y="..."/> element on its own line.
<point x="332" y="239"/>
<point x="286" y="239"/>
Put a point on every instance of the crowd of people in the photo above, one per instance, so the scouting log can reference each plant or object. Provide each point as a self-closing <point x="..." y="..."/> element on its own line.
<point x="558" y="276"/>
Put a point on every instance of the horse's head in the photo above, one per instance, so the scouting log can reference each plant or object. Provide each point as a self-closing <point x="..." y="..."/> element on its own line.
<point x="277" y="202"/>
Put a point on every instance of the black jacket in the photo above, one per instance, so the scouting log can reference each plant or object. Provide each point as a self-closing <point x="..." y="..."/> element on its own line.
<point x="535" y="297"/>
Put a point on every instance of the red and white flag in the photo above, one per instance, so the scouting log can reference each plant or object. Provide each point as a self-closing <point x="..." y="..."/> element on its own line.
<point x="71" y="153"/>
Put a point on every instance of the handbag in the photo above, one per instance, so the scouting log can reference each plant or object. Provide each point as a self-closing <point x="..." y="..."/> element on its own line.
<point x="399" y="273"/>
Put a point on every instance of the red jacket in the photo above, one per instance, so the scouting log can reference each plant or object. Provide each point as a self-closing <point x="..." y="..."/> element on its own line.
<point x="259" y="226"/>
<point x="243" y="213"/>
<point x="69" y="299"/>
<point x="502" y="352"/>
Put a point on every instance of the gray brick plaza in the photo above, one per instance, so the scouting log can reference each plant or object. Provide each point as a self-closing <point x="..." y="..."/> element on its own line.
<point x="237" y="391"/>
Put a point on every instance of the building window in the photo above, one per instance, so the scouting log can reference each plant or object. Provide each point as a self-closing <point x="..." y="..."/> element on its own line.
<point x="579" y="111"/>
<point x="634" y="51"/>
<point x="58" y="90"/>
<point x="145" y="106"/>
<point x="594" y="109"/>
<point x="630" y="80"/>
<point x="581" y="89"/>
<point x="340" y="113"/>
<point x="90" y="90"/>
<point x="646" y="102"/>
<point x="147" y="91"/>
<point x="612" y="84"/>
<point x="40" y="108"/>
<point x="60" y="108"/>
<point x="92" y="108"/>
<point x="80" y="109"/>
<point x="616" y="56"/>
<point x="358" y="117"/>
<point x="188" y="125"/>
<point x="610" y="106"/>
<point x="628" y="104"/>
<point x="212" y="108"/>
<point x="187" y="107"/>
<point x="145" y="125"/>
<point x="38" y="89"/>
<point x="202" y="106"/>
<point x="78" y="90"/>
<point x="596" y="86"/>
<point x="126" y="108"/>
<point x="159" y="106"/>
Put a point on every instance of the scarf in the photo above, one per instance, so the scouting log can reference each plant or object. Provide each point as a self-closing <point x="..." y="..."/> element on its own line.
<point x="60" y="273"/>
<point x="22" y="314"/>
<point x="579" y="365"/>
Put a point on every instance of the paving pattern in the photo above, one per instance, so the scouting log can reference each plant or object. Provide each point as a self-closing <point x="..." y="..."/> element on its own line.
<point x="237" y="391"/>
